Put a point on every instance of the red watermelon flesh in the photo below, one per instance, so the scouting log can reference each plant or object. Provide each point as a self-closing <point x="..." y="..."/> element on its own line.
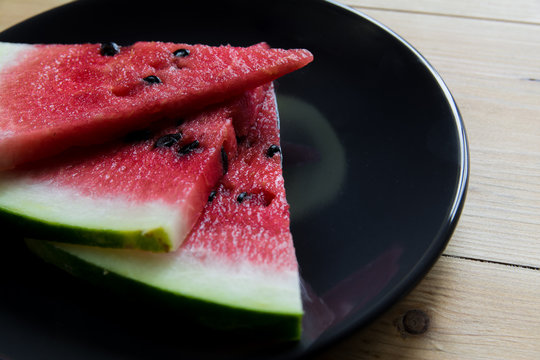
<point x="248" y="218"/>
<point x="140" y="194"/>
<point x="53" y="97"/>
<point x="237" y="268"/>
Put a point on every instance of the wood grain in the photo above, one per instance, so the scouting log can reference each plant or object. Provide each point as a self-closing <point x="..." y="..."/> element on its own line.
<point x="476" y="311"/>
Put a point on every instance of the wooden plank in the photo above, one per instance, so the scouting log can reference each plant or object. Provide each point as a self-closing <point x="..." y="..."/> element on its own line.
<point x="475" y="311"/>
<point x="525" y="11"/>
<point x="500" y="103"/>
<point x="15" y="11"/>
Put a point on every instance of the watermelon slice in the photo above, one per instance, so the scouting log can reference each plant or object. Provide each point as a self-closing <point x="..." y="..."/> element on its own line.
<point x="134" y="193"/>
<point x="53" y="97"/>
<point x="237" y="269"/>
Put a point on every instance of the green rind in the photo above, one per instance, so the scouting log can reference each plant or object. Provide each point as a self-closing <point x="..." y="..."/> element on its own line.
<point x="156" y="240"/>
<point x="256" y="324"/>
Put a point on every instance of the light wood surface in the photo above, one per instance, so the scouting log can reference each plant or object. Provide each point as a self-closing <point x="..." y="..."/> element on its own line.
<point x="482" y="298"/>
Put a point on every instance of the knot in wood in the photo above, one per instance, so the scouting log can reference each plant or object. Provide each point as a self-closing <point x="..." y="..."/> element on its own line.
<point x="415" y="322"/>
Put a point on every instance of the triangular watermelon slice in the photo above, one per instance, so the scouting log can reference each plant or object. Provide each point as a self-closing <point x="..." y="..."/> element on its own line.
<point x="237" y="268"/>
<point x="53" y="97"/>
<point x="133" y="193"/>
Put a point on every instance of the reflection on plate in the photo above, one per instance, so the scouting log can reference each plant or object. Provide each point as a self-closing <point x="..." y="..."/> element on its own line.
<point x="376" y="168"/>
<point x="314" y="159"/>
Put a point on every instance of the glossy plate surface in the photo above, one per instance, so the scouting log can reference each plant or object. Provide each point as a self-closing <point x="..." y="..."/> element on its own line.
<point x="376" y="167"/>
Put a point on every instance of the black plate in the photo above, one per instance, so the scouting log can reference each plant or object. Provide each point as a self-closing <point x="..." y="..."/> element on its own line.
<point x="376" y="167"/>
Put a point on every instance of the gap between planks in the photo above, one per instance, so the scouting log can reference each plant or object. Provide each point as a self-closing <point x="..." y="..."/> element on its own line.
<point x="518" y="12"/>
<point x="459" y="257"/>
<point x="430" y="13"/>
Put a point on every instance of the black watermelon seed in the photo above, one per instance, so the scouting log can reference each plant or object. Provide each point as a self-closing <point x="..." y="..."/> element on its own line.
<point x="224" y="160"/>
<point x="152" y="79"/>
<point x="109" y="49"/>
<point x="186" y="149"/>
<point x="241" y="197"/>
<point x="212" y="196"/>
<point x="168" y="140"/>
<point x="272" y="150"/>
<point x="181" y="52"/>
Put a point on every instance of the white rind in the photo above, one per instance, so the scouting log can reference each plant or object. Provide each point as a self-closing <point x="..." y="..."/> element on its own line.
<point x="213" y="278"/>
<point x="62" y="205"/>
<point x="11" y="52"/>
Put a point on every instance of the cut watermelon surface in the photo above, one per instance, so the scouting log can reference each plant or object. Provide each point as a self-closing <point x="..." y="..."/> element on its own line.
<point x="133" y="193"/>
<point x="53" y="97"/>
<point x="237" y="268"/>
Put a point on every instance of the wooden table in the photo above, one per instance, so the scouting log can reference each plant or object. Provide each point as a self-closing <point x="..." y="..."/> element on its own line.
<point x="482" y="297"/>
